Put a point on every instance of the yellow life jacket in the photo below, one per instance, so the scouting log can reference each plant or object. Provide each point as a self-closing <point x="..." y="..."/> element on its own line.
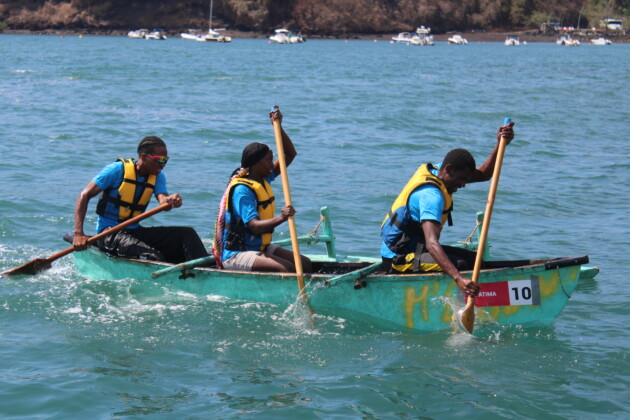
<point x="266" y="207"/>
<point x="422" y="177"/>
<point x="125" y="203"/>
<point x="399" y="231"/>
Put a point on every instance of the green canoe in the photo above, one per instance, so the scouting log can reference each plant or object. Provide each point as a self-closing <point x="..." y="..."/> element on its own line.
<point x="513" y="292"/>
<point x="519" y="292"/>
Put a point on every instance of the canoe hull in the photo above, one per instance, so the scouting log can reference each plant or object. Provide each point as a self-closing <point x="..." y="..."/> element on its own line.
<point x="534" y="293"/>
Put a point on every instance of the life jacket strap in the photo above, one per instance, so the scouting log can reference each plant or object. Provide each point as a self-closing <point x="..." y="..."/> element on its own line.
<point x="120" y="203"/>
<point x="267" y="202"/>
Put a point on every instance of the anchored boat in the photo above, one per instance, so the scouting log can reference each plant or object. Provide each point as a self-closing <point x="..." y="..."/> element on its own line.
<point x="402" y="38"/>
<point x="422" y="36"/>
<point x="156" y="34"/>
<point x="513" y="292"/>
<point x="512" y="40"/>
<point x="284" y="36"/>
<point x="601" y="41"/>
<point x="211" y="36"/>
<point x="566" y="40"/>
<point x="457" y="39"/>
<point x="138" y="33"/>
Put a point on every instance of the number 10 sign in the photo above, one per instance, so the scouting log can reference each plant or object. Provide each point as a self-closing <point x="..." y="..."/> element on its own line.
<point x="510" y="293"/>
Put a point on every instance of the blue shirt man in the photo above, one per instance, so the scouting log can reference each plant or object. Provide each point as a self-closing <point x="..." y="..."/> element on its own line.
<point x="173" y="244"/>
<point x="425" y="209"/>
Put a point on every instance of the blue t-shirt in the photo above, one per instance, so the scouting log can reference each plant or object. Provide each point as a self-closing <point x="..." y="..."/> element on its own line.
<point x="425" y="203"/>
<point x="244" y="205"/>
<point x="111" y="177"/>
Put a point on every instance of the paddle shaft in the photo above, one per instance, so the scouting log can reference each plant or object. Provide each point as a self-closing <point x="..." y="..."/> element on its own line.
<point x="485" y="227"/>
<point x="38" y="264"/>
<point x="287" y="201"/>
<point x="117" y="228"/>
<point x="468" y="318"/>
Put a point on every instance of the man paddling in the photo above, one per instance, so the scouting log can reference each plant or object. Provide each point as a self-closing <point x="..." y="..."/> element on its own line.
<point x="411" y="230"/>
<point x="246" y="218"/>
<point x="126" y="187"/>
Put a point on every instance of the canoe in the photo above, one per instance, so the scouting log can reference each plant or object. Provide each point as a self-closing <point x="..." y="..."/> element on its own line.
<point x="519" y="292"/>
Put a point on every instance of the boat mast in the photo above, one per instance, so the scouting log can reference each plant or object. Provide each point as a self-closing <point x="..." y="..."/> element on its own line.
<point x="210" y="17"/>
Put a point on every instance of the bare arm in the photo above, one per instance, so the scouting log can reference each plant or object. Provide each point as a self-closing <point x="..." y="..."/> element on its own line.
<point x="431" y="231"/>
<point x="258" y="226"/>
<point x="485" y="171"/>
<point x="80" y="209"/>
<point x="289" y="149"/>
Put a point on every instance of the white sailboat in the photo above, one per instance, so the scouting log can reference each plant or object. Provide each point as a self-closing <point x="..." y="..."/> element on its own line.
<point x="211" y="36"/>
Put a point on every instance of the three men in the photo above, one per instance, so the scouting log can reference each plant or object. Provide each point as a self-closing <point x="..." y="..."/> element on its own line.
<point x="410" y="232"/>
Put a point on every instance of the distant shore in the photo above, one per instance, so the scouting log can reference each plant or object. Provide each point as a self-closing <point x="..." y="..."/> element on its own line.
<point x="476" y="36"/>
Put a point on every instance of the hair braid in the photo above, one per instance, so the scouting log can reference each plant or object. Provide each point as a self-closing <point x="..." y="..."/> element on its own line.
<point x="148" y="144"/>
<point x="219" y="224"/>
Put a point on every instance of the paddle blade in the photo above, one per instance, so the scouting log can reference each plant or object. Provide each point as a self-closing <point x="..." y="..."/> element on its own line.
<point x="467" y="316"/>
<point x="30" y="268"/>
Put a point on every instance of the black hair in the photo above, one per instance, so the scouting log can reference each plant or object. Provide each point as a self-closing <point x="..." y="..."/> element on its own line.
<point x="253" y="153"/>
<point x="460" y="159"/>
<point x="149" y="143"/>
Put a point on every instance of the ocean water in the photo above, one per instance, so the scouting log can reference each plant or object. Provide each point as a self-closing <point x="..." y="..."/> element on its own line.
<point x="363" y="115"/>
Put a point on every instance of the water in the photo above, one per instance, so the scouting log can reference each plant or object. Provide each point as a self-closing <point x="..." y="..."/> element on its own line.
<point x="363" y="115"/>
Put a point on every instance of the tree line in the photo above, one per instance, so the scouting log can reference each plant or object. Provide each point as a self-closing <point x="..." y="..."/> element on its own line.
<point x="325" y="17"/>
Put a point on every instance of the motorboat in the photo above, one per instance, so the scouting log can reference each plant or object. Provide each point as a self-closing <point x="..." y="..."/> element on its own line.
<point x="567" y="40"/>
<point x="601" y="41"/>
<point x="457" y="39"/>
<point x="138" y="33"/>
<point x="402" y="38"/>
<point x="281" y="36"/>
<point x="422" y="36"/>
<point x="284" y="36"/>
<point x="512" y="40"/>
<point x="156" y="34"/>
<point x="193" y="35"/>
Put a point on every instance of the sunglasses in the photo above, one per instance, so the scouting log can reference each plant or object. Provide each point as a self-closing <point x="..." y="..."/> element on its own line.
<point x="159" y="159"/>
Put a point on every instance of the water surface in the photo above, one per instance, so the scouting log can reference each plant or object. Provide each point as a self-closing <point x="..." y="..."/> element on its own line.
<point x="363" y="116"/>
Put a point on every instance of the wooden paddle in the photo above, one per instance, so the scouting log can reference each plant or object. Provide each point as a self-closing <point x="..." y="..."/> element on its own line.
<point x="287" y="202"/>
<point x="468" y="313"/>
<point x="40" y="264"/>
